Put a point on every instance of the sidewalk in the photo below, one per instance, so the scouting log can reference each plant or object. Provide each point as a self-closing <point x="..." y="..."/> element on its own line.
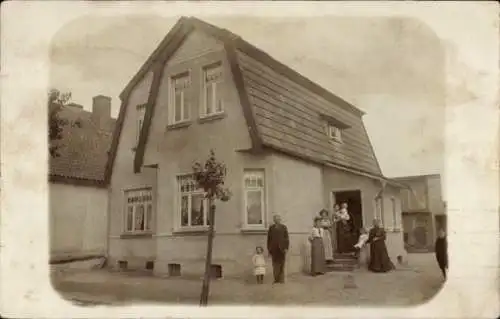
<point x="400" y="287"/>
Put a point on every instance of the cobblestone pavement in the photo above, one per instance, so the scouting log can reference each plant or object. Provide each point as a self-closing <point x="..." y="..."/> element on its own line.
<point x="404" y="286"/>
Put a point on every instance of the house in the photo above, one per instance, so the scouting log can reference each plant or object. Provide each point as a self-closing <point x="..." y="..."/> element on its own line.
<point x="77" y="188"/>
<point x="424" y="211"/>
<point x="290" y="146"/>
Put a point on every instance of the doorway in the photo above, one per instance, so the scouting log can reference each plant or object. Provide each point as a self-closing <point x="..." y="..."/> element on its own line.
<point x="347" y="235"/>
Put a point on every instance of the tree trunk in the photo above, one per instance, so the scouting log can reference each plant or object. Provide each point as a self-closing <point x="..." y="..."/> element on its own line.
<point x="205" y="290"/>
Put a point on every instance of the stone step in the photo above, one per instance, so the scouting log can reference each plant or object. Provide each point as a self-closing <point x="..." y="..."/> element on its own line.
<point x="340" y="267"/>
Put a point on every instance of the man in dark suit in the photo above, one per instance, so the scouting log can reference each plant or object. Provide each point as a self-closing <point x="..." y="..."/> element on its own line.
<point x="277" y="245"/>
<point x="441" y="250"/>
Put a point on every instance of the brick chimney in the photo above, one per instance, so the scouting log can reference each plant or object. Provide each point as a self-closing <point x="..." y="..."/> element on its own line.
<point x="101" y="110"/>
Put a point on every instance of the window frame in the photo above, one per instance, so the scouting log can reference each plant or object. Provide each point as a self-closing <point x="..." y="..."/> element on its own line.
<point x="172" y="100"/>
<point x="379" y="210"/>
<point x="395" y="223"/>
<point x="178" y="206"/>
<point x="148" y="224"/>
<point x="263" y="201"/>
<point x="215" y="90"/>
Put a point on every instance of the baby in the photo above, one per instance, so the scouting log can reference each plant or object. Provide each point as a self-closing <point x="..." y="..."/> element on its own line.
<point x="363" y="238"/>
<point x="342" y="214"/>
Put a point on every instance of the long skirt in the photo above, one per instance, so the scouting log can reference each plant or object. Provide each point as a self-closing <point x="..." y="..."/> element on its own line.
<point x="379" y="258"/>
<point x="327" y="244"/>
<point x="317" y="256"/>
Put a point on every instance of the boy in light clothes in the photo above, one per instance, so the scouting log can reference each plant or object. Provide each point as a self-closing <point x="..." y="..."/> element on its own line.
<point x="259" y="264"/>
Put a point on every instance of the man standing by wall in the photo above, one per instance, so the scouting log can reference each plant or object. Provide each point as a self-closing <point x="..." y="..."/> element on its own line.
<point x="277" y="245"/>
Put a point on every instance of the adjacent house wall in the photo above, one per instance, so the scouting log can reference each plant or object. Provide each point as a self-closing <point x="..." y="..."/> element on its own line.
<point x="77" y="220"/>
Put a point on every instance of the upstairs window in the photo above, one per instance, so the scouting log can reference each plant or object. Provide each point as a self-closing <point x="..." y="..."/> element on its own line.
<point x="141" y="111"/>
<point x="335" y="133"/>
<point x="212" y="90"/>
<point x="179" y="98"/>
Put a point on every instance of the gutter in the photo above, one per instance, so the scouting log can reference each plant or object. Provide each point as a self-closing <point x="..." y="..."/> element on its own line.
<point x="382" y="179"/>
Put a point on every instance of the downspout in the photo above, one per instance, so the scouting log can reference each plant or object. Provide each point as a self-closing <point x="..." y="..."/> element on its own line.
<point x="108" y="225"/>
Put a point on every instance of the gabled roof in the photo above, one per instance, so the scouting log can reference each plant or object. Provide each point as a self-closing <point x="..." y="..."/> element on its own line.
<point x="267" y="129"/>
<point x="83" y="150"/>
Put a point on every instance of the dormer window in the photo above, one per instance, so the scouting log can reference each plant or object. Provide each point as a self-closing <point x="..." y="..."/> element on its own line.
<point x="334" y="127"/>
<point x="335" y="133"/>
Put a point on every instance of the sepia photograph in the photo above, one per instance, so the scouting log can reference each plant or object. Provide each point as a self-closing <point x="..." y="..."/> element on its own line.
<point x="262" y="160"/>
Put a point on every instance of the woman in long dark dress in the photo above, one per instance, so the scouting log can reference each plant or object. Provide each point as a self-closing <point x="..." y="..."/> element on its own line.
<point x="317" y="249"/>
<point x="379" y="258"/>
<point x="344" y="227"/>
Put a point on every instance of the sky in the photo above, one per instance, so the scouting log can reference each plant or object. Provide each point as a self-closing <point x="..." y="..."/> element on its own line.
<point x="392" y="67"/>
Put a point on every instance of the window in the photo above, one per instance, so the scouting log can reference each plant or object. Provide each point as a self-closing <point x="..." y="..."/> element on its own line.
<point x="254" y="198"/>
<point x="212" y="90"/>
<point x="394" y="214"/>
<point x="379" y="209"/>
<point x="179" y="98"/>
<point x="139" y="210"/>
<point x="335" y="133"/>
<point x="141" y="111"/>
<point x="193" y="207"/>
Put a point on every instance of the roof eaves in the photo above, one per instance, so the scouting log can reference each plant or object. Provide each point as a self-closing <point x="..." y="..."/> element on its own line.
<point x="70" y="180"/>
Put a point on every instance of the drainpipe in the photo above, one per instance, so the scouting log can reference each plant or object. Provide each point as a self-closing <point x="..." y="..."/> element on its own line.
<point x="108" y="223"/>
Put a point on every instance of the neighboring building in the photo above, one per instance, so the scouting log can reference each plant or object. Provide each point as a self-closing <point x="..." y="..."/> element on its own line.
<point x="290" y="147"/>
<point x="424" y="210"/>
<point x="77" y="189"/>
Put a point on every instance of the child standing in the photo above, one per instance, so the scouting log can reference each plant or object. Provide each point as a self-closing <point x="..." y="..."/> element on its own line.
<point x="259" y="264"/>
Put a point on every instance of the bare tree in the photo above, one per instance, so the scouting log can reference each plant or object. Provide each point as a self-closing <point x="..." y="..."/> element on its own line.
<point x="210" y="177"/>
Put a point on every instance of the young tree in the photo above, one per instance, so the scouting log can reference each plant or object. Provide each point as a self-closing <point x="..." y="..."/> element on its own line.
<point x="55" y="101"/>
<point x="210" y="177"/>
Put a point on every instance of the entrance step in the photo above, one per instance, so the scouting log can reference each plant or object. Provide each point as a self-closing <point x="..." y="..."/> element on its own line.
<point x="343" y="262"/>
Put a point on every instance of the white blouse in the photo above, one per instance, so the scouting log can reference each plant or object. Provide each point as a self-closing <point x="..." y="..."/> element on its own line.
<point x="317" y="232"/>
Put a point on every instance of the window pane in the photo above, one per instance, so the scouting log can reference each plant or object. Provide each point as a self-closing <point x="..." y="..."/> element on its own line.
<point x="149" y="216"/>
<point x="177" y="105"/>
<point x="186" y="105"/>
<point x="254" y="207"/>
<point x="139" y="217"/>
<point x="218" y="94"/>
<point x="208" y="99"/>
<point x="184" y="211"/>
<point x="130" y="217"/>
<point x="197" y="210"/>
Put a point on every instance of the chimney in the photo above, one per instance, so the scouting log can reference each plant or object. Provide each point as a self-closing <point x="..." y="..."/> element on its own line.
<point x="101" y="110"/>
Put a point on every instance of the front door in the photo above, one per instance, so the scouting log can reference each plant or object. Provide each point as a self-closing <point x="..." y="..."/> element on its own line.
<point x="347" y="235"/>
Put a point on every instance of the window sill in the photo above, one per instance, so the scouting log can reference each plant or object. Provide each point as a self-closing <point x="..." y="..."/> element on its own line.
<point x="212" y="117"/>
<point x="136" y="235"/>
<point x="335" y="142"/>
<point x="191" y="231"/>
<point x="254" y="230"/>
<point x="178" y="125"/>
